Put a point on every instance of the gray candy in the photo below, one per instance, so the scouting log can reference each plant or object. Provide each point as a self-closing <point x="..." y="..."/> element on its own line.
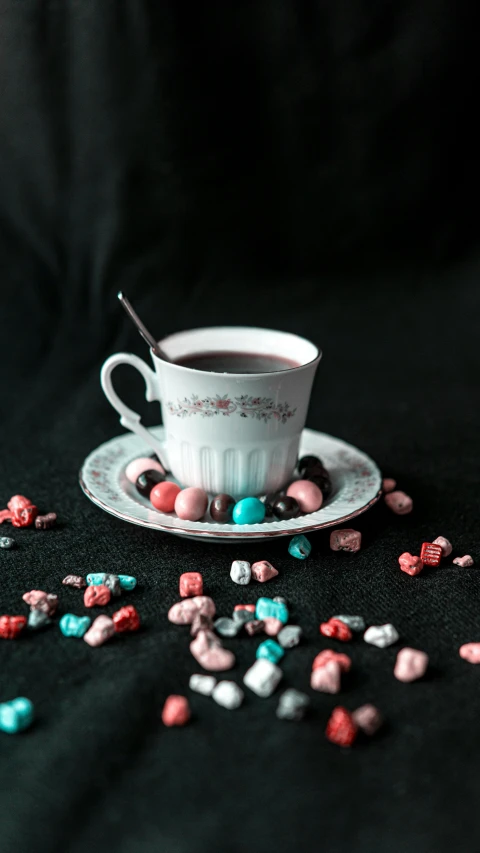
<point x="292" y="705"/>
<point x="289" y="636"/>
<point x="6" y="542"/>
<point x="355" y="623"/>
<point x="243" y="616"/>
<point x="112" y="582"/>
<point x="38" y="619"/>
<point x="227" y="627"/>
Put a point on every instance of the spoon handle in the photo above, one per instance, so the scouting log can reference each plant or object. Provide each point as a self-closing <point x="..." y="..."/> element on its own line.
<point x="147" y="337"/>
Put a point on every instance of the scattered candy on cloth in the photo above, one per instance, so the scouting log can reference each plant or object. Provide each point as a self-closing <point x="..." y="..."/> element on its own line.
<point x="336" y="629"/>
<point x="381" y="635"/>
<point x="241" y="572"/>
<point x="299" y="547"/>
<point x="355" y="623"/>
<point x="341" y="728"/>
<point x="289" y="636"/>
<point x="470" y="652"/>
<point x="263" y="677"/>
<point x="228" y="694"/>
<point x="464" y="562"/>
<point x="368" y="719"/>
<point x="176" y="711"/>
<point x="431" y="554"/>
<point x="203" y="684"/>
<point x="409" y="564"/>
<point x="16" y="715"/>
<point x="327" y="678"/>
<point x="263" y="571"/>
<point x="292" y="705"/>
<point x="445" y="545"/>
<point x="101" y="630"/>
<point x="190" y="584"/>
<point x="126" y="619"/>
<point x="74" y="626"/>
<point x="346" y="540"/>
<point x="327" y="655"/>
<point x="411" y="664"/>
<point x="399" y="503"/>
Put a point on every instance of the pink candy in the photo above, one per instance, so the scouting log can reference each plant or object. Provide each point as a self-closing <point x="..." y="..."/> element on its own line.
<point x="346" y="540"/>
<point x="464" y="562"/>
<point x="44" y="601"/>
<point x="327" y="678"/>
<point x="307" y="494"/>
<point x="445" y="545"/>
<point x="191" y="504"/>
<point x="271" y="626"/>
<point x="368" y="719"/>
<point x="100" y="631"/>
<point x="184" y="612"/>
<point x="399" y="503"/>
<point x="388" y="485"/>
<point x="327" y="655"/>
<point x="470" y="652"/>
<point x="409" y="564"/>
<point x="410" y="665"/>
<point x="138" y="466"/>
<point x="263" y="571"/>
<point x="208" y="651"/>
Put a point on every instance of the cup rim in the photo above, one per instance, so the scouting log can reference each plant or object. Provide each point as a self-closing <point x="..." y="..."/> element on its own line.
<point x="164" y="342"/>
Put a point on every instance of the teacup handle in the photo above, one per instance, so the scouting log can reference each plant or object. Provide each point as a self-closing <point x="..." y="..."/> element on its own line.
<point x="128" y="418"/>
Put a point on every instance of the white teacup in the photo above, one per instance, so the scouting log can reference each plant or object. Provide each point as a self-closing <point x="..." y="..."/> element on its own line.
<point x="225" y="432"/>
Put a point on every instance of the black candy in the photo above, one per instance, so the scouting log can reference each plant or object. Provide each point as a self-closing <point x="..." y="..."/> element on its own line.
<point x="321" y="478"/>
<point x="268" y="501"/>
<point x="147" y="480"/>
<point x="308" y="462"/>
<point x="221" y="508"/>
<point x="285" y="508"/>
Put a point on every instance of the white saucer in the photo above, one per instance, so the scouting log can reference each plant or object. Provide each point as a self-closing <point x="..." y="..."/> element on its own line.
<point x="356" y="482"/>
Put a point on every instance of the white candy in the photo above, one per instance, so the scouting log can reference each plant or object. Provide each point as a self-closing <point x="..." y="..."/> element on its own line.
<point x="203" y="684"/>
<point x="241" y="572"/>
<point x="228" y="695"/>
<point x="263" y="677"/>
<point x="381" y="635"/>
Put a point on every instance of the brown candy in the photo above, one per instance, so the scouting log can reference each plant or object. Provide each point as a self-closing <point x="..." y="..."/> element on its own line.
<point x="45" y="522"/>
<point x="75" y="580"/>
<point x="221" y="508"/>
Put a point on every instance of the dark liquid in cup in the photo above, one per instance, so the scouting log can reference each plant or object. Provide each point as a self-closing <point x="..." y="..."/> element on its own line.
<point x="237" y="362"/>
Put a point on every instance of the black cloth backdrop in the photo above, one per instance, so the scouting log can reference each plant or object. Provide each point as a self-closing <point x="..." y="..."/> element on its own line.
<point x="311" y="166"/>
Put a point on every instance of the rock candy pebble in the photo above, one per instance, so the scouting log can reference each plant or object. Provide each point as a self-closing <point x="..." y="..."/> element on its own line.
<point x="292" y="705"/>
<point x="208" y="651"/>
<point x="126" y="619"/>
<point x="336" y="629"/>
<point x="326" y="678"/>
<point x="11" y="626"/>
<point x="346" y="540"/>
<point x="263" y="677"/>
<point x="190" y="584"/>
<point x="410" y="564"/>
<point x="431" y="554"/>
<point x="470" y="652"/>
<point x="75" y="580"/>
<point x="326" y="655"/>
<point x="39" y="600"/>
<point x="341" y="727"/>
<point x="299" y="547"/>
<point x="399" y="503"/>
<point x="46" y="522"/>
<point x="101" y="630"/>
<point x="355" y="623"/>
<point x="184" y="612"/>
<point x="388" y="485"/>
<point x="445" y="545"/>
<point x="464" y="562"/>
<point x="381" y="635"/>
<point x="7" y="542"/>
<point x="411" y="664"/>
<point x="16" y="715"/>
<point x="289" y="636"/>
<point x="263" y="571"/>
<point x="270" y="650"/>
<point x="203" y="684"/>
<point x="241" y="572"/>
<point x="176" y="711"/>
<point x="228" y="694"/>
<point x="368" y="719"/>
<point x="96" y="596"/>
<point x="74" y="626"/>
<point x="37" y="620"/>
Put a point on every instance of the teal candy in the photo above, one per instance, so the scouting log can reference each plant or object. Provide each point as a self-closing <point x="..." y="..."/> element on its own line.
<point x="74" y="626"/>
<point x="16" y="715"/>
<point x="248" y="511"/>
<point x="270" y="650"/>
<point x="96" y="579"/>
<point x="127" y="581"/>
<point x="266" y="608"/>
<point x="299" y="547"/>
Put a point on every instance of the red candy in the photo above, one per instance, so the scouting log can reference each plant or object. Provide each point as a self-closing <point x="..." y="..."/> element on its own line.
<point x="327" y="655"/>
<point x="336" y="629"/>
<point x="96" y="595"/>
<point x="126" y="619"/>
<point x="163" y="496"/>
<point x="5" y="515"/>
<point x="24" y="517"/>
<point x="18" y="502"/>
<point x="431" y="554"/>
<point x="191" y="583"/>
<point x="249" y="607"/>
<point x="341" y="728"/>
<point x="409" y="564"/>
<point x="10" y="626"/>
<point x="176" y="711"/>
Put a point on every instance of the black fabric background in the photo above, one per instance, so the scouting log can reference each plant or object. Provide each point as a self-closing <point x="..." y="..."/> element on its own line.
<point x="311" y="166"/>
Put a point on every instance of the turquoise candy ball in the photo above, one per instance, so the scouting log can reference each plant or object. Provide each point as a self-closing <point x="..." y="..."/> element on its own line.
<point x="270" y="650"/>
<point x="248" y="511"/>
<point x="266" y="608"/>
<point x="299" y="547"/>
<point x="74" y="626"/>
<point x="16" y="715"/>
<point x="127" y="581"/>
<point x="96" y="579"/>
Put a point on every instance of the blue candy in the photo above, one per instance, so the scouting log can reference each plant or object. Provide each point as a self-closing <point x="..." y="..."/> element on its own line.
<point x="16" y="715"/>
<point x="127" y="581"/>
<point x="96" y="579"/>
<point x="74" y="626"/>
<point x="266" y="608"/>
<point x="299" y="547"/>
<point x="248" y="511"/>
<point x="270" y="650"/>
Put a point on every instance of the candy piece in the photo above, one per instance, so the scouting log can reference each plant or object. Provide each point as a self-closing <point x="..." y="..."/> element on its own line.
<point x="341" y="728"/>
<point x="37" y="619"/>
<point x="74" y="626"/>
<point x="5" y="515"/>
<point x="203" y="684"/>
<point x="248" y="511"/>
<point x="409" y="564"/>
<point x="268" y="501"/>
<point x="176" y="711"/>
<point x="263" y="677"/>
<point x="228" y="694"/>
<point x="368" y="719"/>
<point x="464" y="562"/>
<point x="431" y="554"/>
<point x="292" y="705"/>
<point x="191" y="504"/>
<point x="221" y="508"/>
<point x="381" y="635"/>
<point x="75" y="580"/>
<point x="289" y="636"/>
<point x="266" y="608"/>
<point x="16" y="715"/>
<point x="96" y="578"/>
<point x="445" y="545"/>
<point x="255" y="627"/>
<point x="272" y="626"/>
<point x="286" y="508"/>
<point x="346" y="540"/>
<point x="96" y="596"/>
<point x="263" y="571"/>
<point x="280" y="599"/>
<point x="410" y="665"/>
<point x="18" y="502"/>
<point x="388" y="485"/>
<point x="7" y="542"/>
<point x="241" y="572"/>
<point x="127" y="582"/>
<point x="201" y="623"/>
<point x="243" y="616"/>
<point x="227" y="627"/>
<point x="308" y="462"/>
<point x="337" y="629"/>
<point x="327" y="655"/>
<point x="249" y="607"/>
<point x="184" y="612"/>
<point x="191" y="583"/>
<point x="299" y="547"/>
<point x="399" y="503"/>
<point x="327" y="678"/>
<point x="126" y="619"/>
<point x="164" y="495"/>
<point x="270" y="650"/>
<point x="307" y="494"/>
<point x="138" y="466"/>
<point x="113" y="584"/>
<point x="146" y="481"/>
<point x="355" y="623"/>
<point x="470" y="652"/>
<point x="46" y="522"/>
<point x="11" y="626"/>
<point x="208" y="651"/>
<point x="100" y="631"/>
<point x="38" y="600"/>
<point x="24" y="517"/>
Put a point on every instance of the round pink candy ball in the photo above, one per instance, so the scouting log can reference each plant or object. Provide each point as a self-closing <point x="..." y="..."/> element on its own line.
<point x="307" y="495"/>
<point x="191" y="504"/>
<point x="138" y="466"/>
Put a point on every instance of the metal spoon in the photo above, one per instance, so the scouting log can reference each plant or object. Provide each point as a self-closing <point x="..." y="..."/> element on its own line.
<point x="150" y="340"/>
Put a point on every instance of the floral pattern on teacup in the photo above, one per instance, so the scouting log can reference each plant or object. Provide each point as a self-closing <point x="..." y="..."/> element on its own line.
<point x="261" y="408"/>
